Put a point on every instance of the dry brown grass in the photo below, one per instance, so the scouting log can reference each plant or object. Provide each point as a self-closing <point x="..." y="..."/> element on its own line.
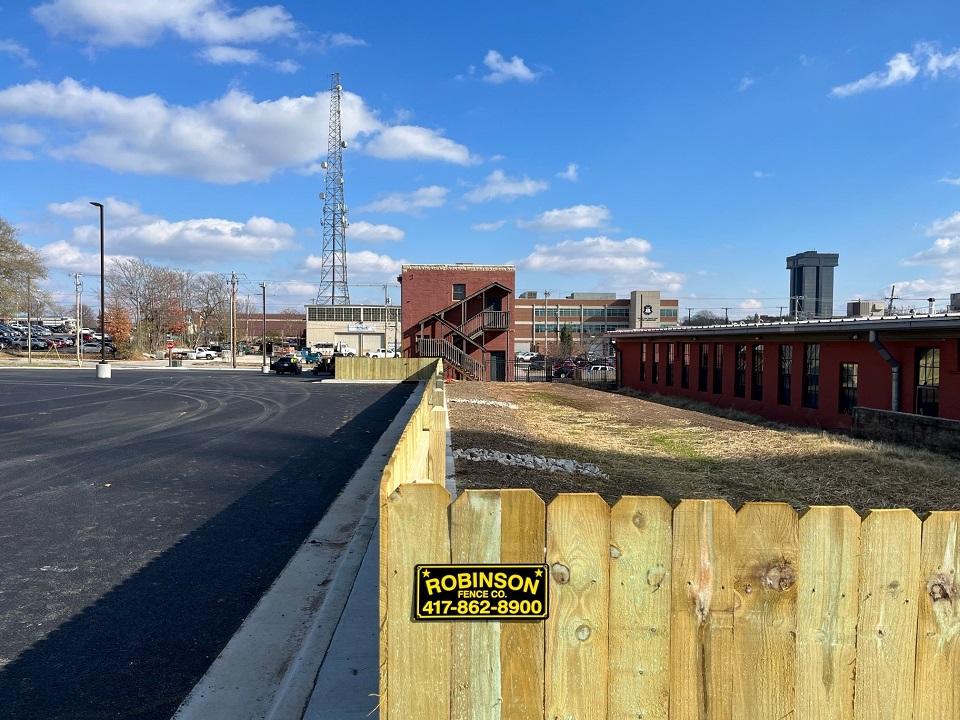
<point x="652" y="448"/>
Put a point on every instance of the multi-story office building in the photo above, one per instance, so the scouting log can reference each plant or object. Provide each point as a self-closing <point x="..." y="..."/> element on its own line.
<point x="362" y="327"/>
<point x="811" y="284"/>
<point x="538" y="321"/>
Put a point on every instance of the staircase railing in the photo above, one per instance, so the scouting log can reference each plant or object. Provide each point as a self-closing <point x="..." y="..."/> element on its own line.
<point x="486" y="320"/>
<point x="434" y="347"/>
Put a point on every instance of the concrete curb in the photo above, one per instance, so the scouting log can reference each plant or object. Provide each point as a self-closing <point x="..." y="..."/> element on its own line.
<point x="268" y="667"/>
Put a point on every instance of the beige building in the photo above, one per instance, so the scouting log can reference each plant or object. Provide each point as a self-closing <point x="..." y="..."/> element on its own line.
<point x="362" y="327"/>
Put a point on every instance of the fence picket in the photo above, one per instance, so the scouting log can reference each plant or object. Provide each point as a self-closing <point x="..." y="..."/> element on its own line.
<point x="937" y="694"/>
<point x="887" y="629"/>
<point x="418" y="653"/>
<point x="475" y="538"/>
<point x="701" y="611"/>
<point x="827" y="604"/>
<point x="522" y="540"/>
<point x="765" y="578"/>
<point x="578" y="551"/>
<point x="640" y="557"/>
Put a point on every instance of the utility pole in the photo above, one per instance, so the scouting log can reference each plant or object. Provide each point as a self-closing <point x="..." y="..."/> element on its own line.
<point x="233" y="324"/>
<point x="689" y="311"/>
<point x="892" y="298"/>
<point x="546" y="322"/>
<point x="29" y="327"/>
<point x="78" y="287"/>
<point x="726" y="315"/>
<point x="264" y="369"/>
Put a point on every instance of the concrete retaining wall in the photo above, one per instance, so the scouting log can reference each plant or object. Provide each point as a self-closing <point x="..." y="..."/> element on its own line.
<point x="938" y="434"/>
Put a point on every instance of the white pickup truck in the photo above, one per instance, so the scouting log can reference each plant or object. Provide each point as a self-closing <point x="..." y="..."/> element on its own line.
<point x="201" y="353"/>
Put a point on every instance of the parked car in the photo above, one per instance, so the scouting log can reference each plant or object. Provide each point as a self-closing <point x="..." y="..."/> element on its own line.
<point x="600" y="372"/>
<point x="287" y="364"/>
<point x="308" y="356"/>
<point x="21" y="343"/>
<point x="94" y="347"/>
<point x="565" y="368"/>
<point x="526" y="356"/>
<point x="201" y="353"/>
<point x="382" y="353"/>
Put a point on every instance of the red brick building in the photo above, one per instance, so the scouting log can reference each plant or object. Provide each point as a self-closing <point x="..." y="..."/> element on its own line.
<point x="809" y="373"/>
<point x="461" y="313"/>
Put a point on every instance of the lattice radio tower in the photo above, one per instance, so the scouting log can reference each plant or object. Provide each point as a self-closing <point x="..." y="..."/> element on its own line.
<point x="333" y="267"/>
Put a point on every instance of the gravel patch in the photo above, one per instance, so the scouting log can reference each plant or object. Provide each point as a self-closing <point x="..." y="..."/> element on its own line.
<point x="533" y="462"/>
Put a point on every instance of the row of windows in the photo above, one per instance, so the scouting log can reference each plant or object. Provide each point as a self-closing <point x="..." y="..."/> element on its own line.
<point x="346" y="313"/>
<point x="927" y="374"/>
<point x="587" y="312"/>
<point x="575" y="327"/>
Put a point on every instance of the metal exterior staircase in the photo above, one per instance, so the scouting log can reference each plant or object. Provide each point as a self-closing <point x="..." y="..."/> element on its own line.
<point x="485" y="320"/>
<point x="434" y="347"/>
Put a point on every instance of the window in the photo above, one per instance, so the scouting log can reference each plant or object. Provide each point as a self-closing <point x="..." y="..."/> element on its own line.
<point x="685" y="366"/>
<point x="666" y="312"/>
<point x="784" y="368"/>
<point x="643" y="362"/>
<point x="656" y="363"/>
<point x="811" y="375"/>
<point x="718" y="368"/>
<point x="756" y="374"/>
<point x="928" y="382"/>
<point x="459" y="291"/>
<point x="703" y="368"/>
<point x="671" y="359"/>
<point x="848" y="387"/>
<point x="740" y="372"/>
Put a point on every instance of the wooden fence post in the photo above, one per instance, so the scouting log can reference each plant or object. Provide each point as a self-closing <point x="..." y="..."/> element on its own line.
<point x="578" y="552"/>
<point x="437" y="454"/>
<point x="827" y="601"/>
<point x="887" y="629"/>
<point x="640" y="558"/>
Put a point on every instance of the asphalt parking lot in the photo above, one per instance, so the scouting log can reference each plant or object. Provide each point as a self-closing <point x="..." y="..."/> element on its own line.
<point x="142" y="518"/>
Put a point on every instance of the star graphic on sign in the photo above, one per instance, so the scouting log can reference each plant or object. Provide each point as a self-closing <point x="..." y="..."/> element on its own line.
<point x="426" y="573"/>
<point x="539" y="572"/>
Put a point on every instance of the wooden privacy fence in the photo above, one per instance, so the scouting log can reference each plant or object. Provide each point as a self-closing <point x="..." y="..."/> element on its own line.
<point x="696" y="612"/>
<point x="365" y="368"/>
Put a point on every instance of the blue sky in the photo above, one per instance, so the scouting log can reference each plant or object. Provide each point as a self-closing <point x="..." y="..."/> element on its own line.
<point x="599" y="146"/>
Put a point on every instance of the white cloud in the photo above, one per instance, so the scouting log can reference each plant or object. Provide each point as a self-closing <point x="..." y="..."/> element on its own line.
<point x="488" y="226"/>
<point x="136" y="233"/>
<point x="751" y="304"/>
<point x="62" y="255"/>
<point x="17" y="51"/>
<point x="19" y="134"/>
<point x="503" y="70"/>
<point x="499" y="185"/>
<point x="343" y="40"/>
<point x="363" y="263"/>
<point x="399" y="142"/>
<point x="943" y="254"/>
<point x="571" y="173"/>
<point x="232" y="139"/>
<point x="761" y="175"/>
<point x="903" y="68"/>
<point x="625" y="260"/>
<point x="141" y="23"/>
<point x="745" y="83"/>
<point x="411" y="203"/>
<point x="577" y="217"/>
<point x="231" y="54"/>
<point x="370" y="232"/>
<point x="950" y="180"/>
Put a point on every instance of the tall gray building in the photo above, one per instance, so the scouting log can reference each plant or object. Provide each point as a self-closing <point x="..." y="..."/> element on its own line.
<point x="811" y="284"/>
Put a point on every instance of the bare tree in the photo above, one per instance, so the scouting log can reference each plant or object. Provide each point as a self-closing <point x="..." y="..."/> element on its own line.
<point x="17" y="263"/>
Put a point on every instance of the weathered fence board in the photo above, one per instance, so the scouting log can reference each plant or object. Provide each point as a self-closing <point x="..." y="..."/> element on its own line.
<point x="639" y="664"/>
<point x="418" y="653"/>
<point x="578" y="552"/>
<point x="937" y="694"/>
<point x="702" y="603"/>
<point x="827" y="601"/>
<point x="887" y="630"/>
<point x="764" y="630"/>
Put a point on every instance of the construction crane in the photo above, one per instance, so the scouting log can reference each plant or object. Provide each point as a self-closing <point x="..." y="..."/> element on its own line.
<point x="892" y="298"/>
<point x="333" y="266"/>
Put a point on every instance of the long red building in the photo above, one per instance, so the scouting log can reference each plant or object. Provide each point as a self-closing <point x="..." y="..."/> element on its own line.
<point x="810" y="372"/>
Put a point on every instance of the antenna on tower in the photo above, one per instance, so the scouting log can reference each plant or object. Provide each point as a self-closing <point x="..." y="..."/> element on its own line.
<point x="333" y="266"/>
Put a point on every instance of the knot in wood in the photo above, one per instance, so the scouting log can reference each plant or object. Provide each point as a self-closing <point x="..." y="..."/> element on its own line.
<point x="583" y="633"/>
<point x="615" y="551"/>
<point x="941" y="588"/>
<point x="639" y="520"/>
<point x="560" y="573"/>
<point x="779" y="577"/>
<point x="655" y="576"/>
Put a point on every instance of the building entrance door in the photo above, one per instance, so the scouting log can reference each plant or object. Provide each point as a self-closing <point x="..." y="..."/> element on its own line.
<point x="497" y="370"/>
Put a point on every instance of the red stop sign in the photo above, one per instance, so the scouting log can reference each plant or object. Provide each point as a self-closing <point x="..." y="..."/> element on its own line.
<point x="170" y="344"/>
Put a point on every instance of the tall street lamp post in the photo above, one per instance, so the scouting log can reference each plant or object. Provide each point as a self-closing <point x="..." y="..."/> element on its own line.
<point x="103" y="369"/>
